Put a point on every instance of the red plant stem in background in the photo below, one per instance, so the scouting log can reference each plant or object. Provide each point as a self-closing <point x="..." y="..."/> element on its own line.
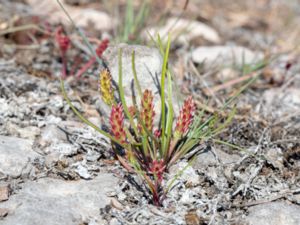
<point x="86" y="66"/>
<point x="64" y="65"/>
<point x="63" y="42"/>
<point x="77" y="61"/>
<point x="99" y="51"/>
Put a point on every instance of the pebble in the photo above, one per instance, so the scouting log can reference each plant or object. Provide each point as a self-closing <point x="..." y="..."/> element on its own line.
<point x="4" y="193"/>
<point x="56" y="201"/>
<point x="183" y="31"/>
<point x="15" y="156"/>
<point x="275" y="213"/>
<point x="225" y="55"/>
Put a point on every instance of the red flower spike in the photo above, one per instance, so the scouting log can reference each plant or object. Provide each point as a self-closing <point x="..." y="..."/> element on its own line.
<point x="147" y="111"/>
<point x="62" y="40"/>
<point x="185" y="117"/>
<point x="102" y="47"/>
<point x="157" y="168"/>
<point x="116" y="123"/>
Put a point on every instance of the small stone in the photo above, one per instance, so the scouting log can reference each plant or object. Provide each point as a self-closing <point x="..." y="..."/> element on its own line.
<point x="191" y="218"/>
<point x="15" y="156"/>
<point x="275" y="157"/>
<point x="83" y="172"/>
<point x="3" y="212"/>
<point x="225" y="55"/>
<point x="183" y="31"/>
<point x="29" y="132"/>
<point x="114" y="221"/>
<point x="227" y="74"/>
<point x="56" y="201"/>
<point x="51" y="159"/>
<point x="83" y="17"/>
<point x="204" y="159"/>
<point x="275" y="213"/>
<point x="116" y="204"/>
<point x="52" y="134"/>
<point x="92" y="156"/>
<point x="64" y="149"/>
<point x="4" y="193"/>
<point x="121" y="196"/>
<point x="186" y="197"/>
<point x="280" y="103"/>
<point x="208" y="158"/>
<point x="188" y="175"/>
<point x="56" y="102"/>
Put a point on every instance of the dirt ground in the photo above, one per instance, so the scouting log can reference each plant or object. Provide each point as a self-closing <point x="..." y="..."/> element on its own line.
<point x="56" y="170"/>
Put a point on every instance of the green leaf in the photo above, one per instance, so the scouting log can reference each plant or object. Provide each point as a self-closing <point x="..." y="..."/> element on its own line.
<point x="170" y="117"/>
<point x="122" y="95"/>
<point x="162" y="94"/>
<point x="136" y="81"/>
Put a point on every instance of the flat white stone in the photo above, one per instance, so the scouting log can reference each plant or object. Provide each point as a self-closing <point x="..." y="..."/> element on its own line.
<point x="55" y="202"/>
<point x="225" y="55"/>
<point x="15" y="156"/>
<point x="183" y="31"/>
<point x="275" y="213"/>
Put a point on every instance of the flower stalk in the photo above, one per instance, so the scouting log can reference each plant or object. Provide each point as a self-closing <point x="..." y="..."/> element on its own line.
<point x="147" y="111"/>
<point x="105" y="86"/>
<point x="117" y="123"/>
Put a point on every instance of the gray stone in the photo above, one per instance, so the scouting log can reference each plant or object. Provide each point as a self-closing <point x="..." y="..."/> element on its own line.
<point x="114" y="221"/>
<point x="183" y="31"/>
<point x="29" y="132"/>
<point x="55" y="202"/>
<point x="4" y="193"/>
<point x="275" y="213"/>
<point x="3" y="212"/>
<point x="187" y="173"/>
<point x="64" y="149"/>
<point x="82" y="16"/>
<point x="148" y="63"/>
<point x="15" y="156"/>
<point x="82" y="171"/>
<point x="207" y="159"/>
<point x="225" y="55"/>
<point x="275" y="157"/>
<point x="204" y="160"/>
<point x="52" y="134"/>
<point x="280" y="103"/>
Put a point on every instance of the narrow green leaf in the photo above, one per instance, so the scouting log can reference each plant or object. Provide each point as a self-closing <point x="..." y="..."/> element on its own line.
<point x="136" y="81"/>
<point x="170" y="117"/>
<point x="162" y="94"/>
<point x="122" y="95"/>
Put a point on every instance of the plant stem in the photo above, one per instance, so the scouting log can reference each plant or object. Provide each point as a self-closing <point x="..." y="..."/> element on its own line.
<point x="86" y="66"/>
<point x="64" y="65"/>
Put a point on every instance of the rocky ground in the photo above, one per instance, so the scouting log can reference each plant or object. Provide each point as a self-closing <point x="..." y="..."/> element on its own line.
<point x="56" y="170"/>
